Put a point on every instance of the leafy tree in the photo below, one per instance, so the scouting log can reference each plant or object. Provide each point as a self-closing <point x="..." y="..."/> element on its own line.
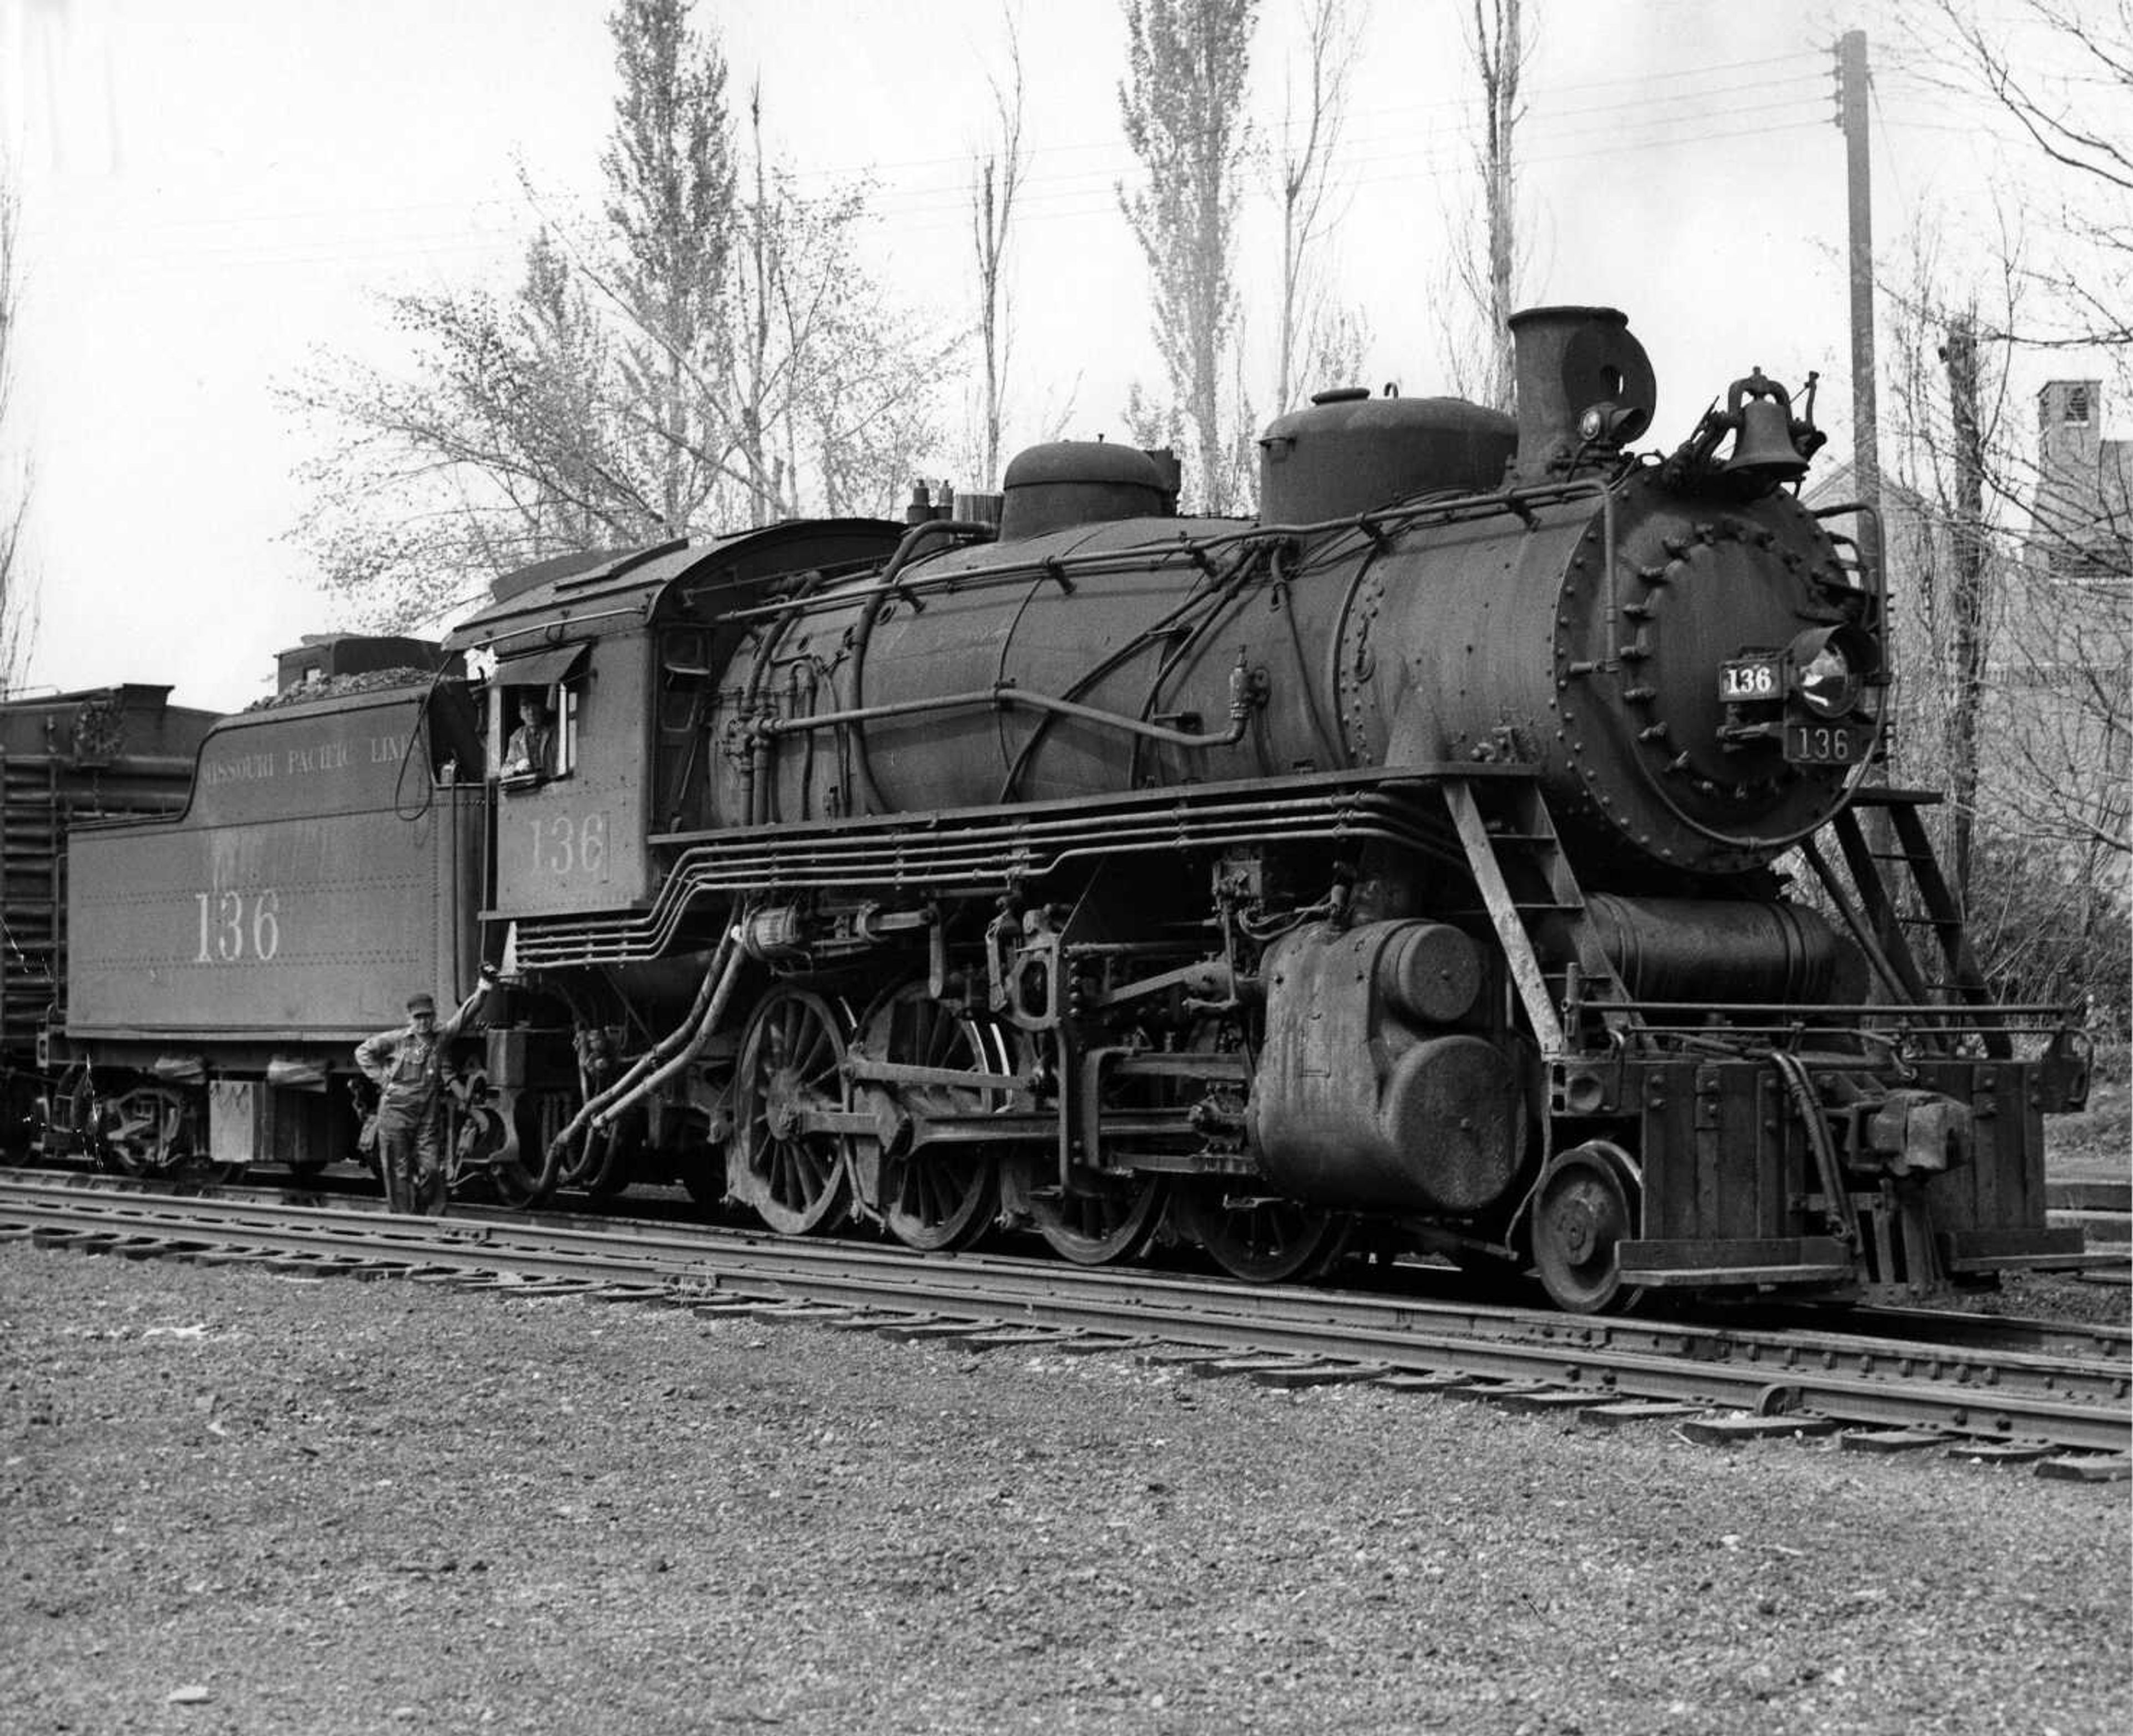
<point x="707" y="352"/>
<point x="671" y="177"/>
<point x="1182" y="105"/>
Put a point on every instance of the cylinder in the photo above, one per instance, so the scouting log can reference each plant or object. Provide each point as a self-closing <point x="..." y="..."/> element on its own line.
<point x="1451" y="1108"/>
<point x="1349" y="1109"/>
<point x="1429" y="974"/>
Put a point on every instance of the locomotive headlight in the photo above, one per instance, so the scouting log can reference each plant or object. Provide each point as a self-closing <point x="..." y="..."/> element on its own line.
<point x="1830" y="669"/>
<point x="1829" y="683"/>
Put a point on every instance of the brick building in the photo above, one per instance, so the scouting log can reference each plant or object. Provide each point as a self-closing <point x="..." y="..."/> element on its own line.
<point x="2081" y="524"/>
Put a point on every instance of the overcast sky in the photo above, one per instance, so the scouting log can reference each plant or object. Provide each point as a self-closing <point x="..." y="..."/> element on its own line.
<point x="215" y="193"/>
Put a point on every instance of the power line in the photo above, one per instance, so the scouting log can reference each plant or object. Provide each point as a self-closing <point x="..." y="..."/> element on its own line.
<point x="1541" y="119"/>
<point x="1059" y="198"/>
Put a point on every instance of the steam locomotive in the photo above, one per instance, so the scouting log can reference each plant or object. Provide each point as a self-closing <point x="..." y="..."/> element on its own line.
<point x="1479" y="853"/>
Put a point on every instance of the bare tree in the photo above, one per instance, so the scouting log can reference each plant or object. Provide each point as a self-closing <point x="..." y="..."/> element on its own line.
<point x="996" y="173"/>
<point x="1182" y="104"/>
<point x="1498" y="46"/>
<point x="1325" y="335"/>
<point x="17" y="601"/>
<point x="855" y="406"/>
<point x="758" y="374"/>
<point x="2060" y="73"/>
<point x="2008" y="548"/>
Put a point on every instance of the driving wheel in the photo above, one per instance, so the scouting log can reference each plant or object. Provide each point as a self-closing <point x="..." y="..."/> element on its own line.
<point x="1102" y="1219"/>
<point x="791" y="1111"/>
<point x="940" y="1195"/>
<point x="1261" y="1240"/>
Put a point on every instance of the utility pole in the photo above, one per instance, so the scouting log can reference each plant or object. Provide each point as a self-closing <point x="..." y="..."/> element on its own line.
<point x="1865" y="419"/>
<point x="1859" y="180"/>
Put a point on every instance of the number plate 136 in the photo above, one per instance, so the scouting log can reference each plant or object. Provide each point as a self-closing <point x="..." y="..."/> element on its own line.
<point x="569" y="846"/>
<point x="1835" y="744"/>
<point x="1751" y="678"/>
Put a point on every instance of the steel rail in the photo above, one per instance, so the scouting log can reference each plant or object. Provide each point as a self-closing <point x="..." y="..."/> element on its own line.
<point x="1946" y="1329"/>
<point x="2067" y="1402"/>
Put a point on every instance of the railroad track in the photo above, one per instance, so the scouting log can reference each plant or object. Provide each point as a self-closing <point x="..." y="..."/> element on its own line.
<point x="2065" y="1409"/>
<point x="1944" y="1329"/>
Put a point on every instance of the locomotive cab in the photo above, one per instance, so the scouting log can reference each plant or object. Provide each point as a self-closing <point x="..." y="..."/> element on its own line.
<point x="600" y="681"/>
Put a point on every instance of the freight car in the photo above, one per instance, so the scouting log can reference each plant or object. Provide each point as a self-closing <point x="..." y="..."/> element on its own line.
<point x="67" y="760"/>
<point x="1479" y="852"/>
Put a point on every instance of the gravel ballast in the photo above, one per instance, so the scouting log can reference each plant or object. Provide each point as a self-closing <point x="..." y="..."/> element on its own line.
<point x="237" y="1502"/>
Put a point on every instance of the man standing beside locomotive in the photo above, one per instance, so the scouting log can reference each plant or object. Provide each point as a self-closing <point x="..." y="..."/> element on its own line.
<point x="408" y="1066"/>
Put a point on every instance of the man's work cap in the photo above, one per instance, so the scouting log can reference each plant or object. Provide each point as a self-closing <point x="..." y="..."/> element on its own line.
<point x="421" y="1003"/>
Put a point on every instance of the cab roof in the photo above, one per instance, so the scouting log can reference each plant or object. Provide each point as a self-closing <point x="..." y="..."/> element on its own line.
<point x="573" y="599"/>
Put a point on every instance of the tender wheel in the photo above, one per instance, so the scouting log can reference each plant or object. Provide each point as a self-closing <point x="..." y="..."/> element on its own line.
<point x="1261" y="1241"/>
<point x="790" y="1082"/>
<point x="1583" y="1215"/>
<point x="1106" y="1218"/>
<point x="151" y="1131"/>
<point x="937" y="1196"/>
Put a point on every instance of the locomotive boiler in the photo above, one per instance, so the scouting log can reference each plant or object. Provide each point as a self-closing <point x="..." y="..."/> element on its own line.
<point x="1469" y="854"/>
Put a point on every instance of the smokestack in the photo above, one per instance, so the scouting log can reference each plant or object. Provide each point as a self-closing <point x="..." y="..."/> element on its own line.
<point x="1571" y="361"/>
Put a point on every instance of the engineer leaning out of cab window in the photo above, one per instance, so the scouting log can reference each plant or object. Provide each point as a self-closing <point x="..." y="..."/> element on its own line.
<point x="530" y="753"/>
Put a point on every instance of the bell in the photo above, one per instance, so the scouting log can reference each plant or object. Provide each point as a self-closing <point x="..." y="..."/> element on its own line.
<point x="1763" y="445"/>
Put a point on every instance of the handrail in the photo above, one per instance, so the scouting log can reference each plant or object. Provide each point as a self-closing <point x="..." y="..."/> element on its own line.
<point x="1244" y="699"/>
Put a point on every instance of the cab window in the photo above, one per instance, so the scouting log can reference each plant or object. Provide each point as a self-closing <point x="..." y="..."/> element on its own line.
<point x="535" y="705"/>
<point x="536" y="733"/>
